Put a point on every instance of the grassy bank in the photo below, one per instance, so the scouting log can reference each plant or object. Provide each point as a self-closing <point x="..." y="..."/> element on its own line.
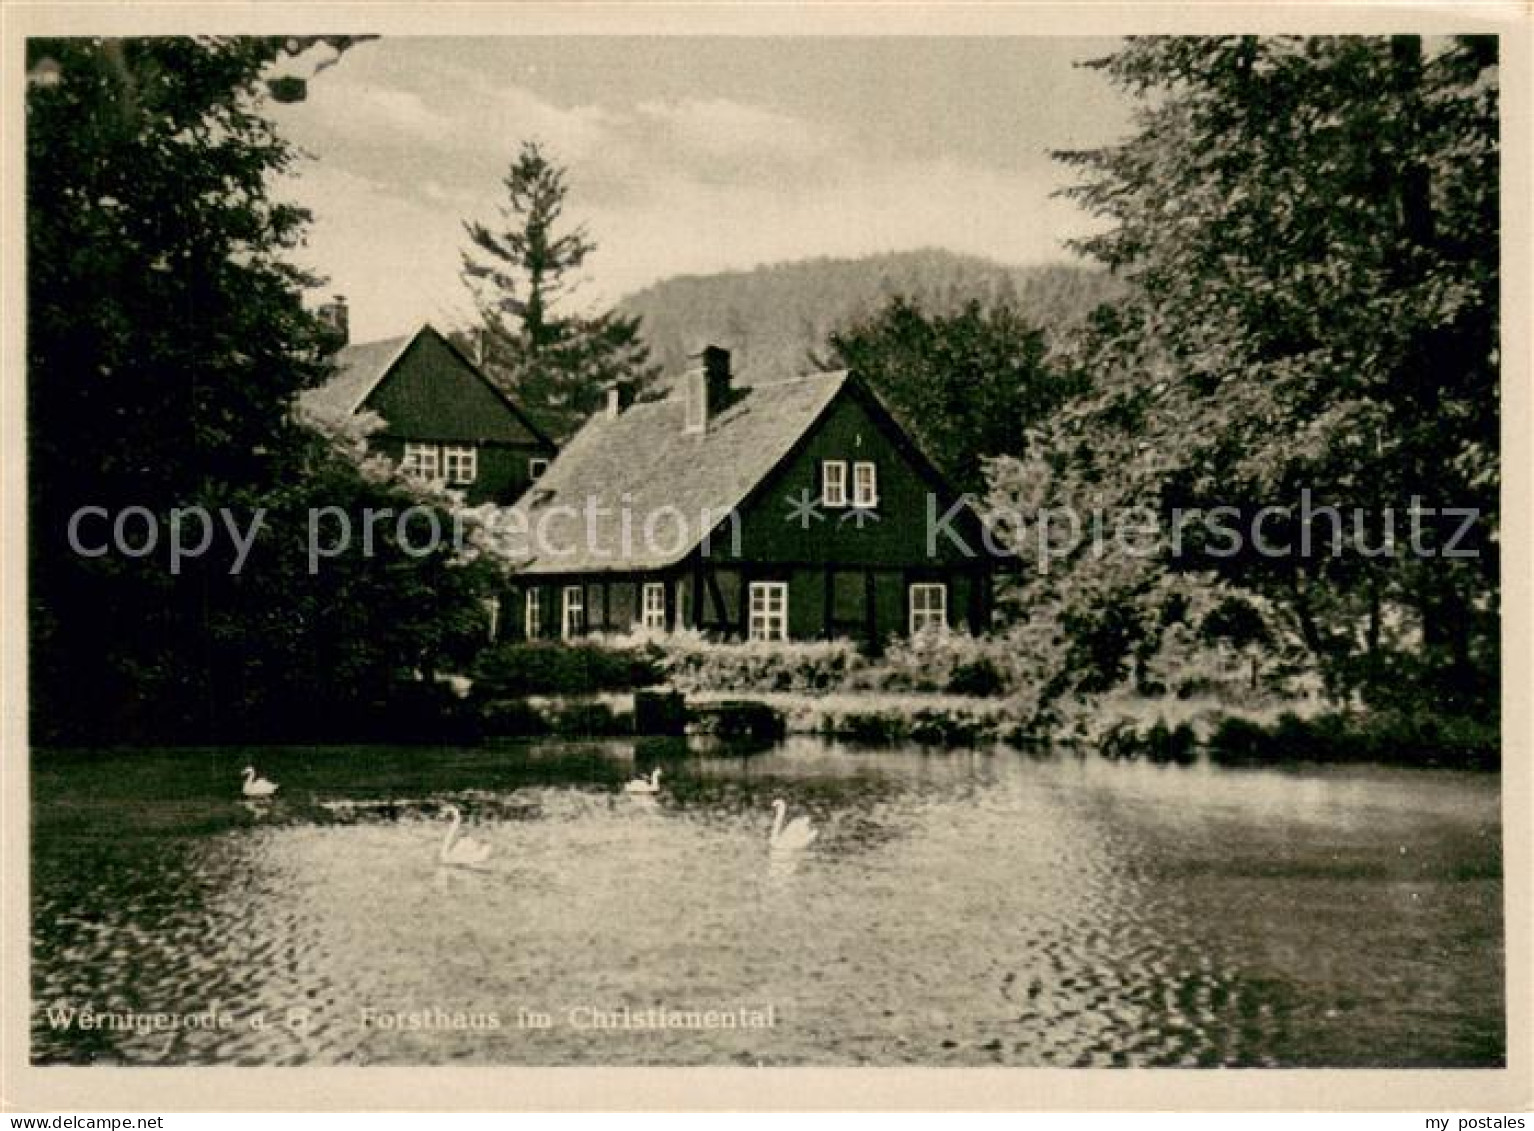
<point x="948" y="691"/>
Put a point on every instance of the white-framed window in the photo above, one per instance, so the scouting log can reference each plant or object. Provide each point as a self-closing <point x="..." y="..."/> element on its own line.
<point x="492" y="617"/>
<point x="460" y="463"/>
<point x="652" y="608"/>
<point x="833" y="483"/>
<point x="574" y="622"/>
<point x="536" y="467"/>
<point x="865" y="484"/>
<point x="929" y="606"/>
<point x="532" y="613"/>
<point x="769" y="610"/>
<point x="421" y="462"/>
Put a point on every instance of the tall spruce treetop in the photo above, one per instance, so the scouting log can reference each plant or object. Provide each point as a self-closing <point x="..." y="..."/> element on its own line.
<point x="557" y="364"/>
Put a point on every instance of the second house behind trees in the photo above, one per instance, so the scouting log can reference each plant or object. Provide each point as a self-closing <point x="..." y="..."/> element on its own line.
<point x="444" y="420"/>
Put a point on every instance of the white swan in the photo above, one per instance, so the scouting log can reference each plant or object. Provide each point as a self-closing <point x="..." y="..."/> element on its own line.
<point x="645" y="785"/>
<point x="799" y="833"/>
<point x="257" y="787"/>
<point x="465" y="852"/>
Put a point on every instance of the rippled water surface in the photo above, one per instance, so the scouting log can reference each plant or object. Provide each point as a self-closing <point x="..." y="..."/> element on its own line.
<point x="956" y="909"/>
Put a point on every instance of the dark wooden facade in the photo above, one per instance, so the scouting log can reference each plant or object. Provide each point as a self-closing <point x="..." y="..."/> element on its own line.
<point x="868" y="603"/>
<point x="428" y="393"/>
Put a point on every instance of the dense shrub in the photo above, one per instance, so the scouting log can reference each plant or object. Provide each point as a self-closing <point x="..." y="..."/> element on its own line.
<point x="507" y="718"/>
<point x="870" y="728"/>
<point x="1416" y="739"/>
<point x="692" y="662"/>
<point x="740" y="722"/>
<point x="950" y="728"/>
<point x="590" y="719"/>
<point x="526" y="718"/>
<point x="1156" y="743"/>
<point x="550" y="668"/>
<point x="977" y="677"/>
<point x="410" y="712"/>
<point x="952" y="662"/>
<point x="926" y="726"/>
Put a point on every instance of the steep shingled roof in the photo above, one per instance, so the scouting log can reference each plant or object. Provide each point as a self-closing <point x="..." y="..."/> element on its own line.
<point x="643" y="463"/>
<point x="362" y="368"/>
<point x="359" y="369"/>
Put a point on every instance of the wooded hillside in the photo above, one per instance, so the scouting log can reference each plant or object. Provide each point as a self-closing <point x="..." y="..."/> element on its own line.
<point x="775" y="317"/>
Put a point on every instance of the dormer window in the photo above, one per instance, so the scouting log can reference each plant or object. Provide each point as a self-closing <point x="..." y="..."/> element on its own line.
<point x="536" y="467"/>
<point x="865" y="485"/>
<point x="833" y="483"/>
<point x="460" y="462"/>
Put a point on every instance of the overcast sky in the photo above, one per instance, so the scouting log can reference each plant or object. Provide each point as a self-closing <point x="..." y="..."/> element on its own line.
<point x="688" y="155"/>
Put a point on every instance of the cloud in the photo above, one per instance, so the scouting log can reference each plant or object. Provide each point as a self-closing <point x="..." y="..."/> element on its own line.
<point x="401" y="110"/>
<point x="719" y="127"/>
<point x="512" y="113"/>
<point x="666" y="185"/>
<point x="466" y="126"/>
<point x="345" y="109"/>
<point x="454" y="134"/>
<point x="692" y="226"/>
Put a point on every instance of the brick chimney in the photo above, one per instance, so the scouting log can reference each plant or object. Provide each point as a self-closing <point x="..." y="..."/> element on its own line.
<point x="336" y="315"/>
<point x="620" y="394"/>
<point x="706" y="388"/>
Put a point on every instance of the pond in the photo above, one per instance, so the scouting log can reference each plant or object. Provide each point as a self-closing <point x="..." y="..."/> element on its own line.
<point x="957" y="908"/>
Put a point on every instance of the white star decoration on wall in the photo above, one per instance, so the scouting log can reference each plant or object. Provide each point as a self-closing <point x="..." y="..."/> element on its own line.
<point x="804" y="509"/>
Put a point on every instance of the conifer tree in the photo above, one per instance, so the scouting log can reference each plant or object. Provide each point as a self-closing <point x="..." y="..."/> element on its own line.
<point x="522" y="273"/>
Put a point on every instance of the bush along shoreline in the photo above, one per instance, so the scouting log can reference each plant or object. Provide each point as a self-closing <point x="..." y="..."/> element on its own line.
<point x="945" y="691"/>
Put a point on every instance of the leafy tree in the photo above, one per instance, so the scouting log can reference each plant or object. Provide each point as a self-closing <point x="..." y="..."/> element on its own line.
<point x="341" y="646"/>
<point x="967" y="384"/>
<point x="556" y="363"/>
<point x="1309" y="230"/>
<point x="166" y="343"/>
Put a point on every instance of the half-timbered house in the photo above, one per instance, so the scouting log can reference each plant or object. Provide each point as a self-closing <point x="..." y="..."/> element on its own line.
<point x="797" y="509"/>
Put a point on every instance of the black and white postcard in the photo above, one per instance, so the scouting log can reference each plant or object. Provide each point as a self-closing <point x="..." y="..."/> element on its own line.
<point x="767" y="540"/>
